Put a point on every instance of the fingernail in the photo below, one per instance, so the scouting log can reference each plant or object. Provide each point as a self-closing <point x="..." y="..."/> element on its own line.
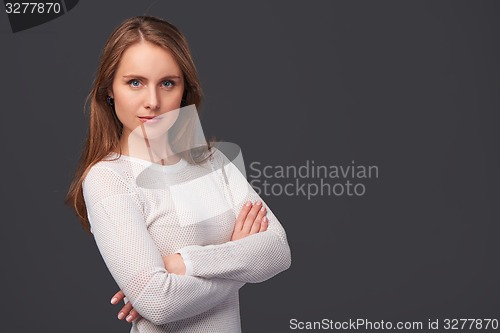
<point x="113" y="300"/>
<point x="248" y="203"/>
<point x="121" y="315"/>
<point x="264" y="219"/>
<point x="258" y="203"/>
<point x="129" y="318"/>
<point x="263" y="209"/>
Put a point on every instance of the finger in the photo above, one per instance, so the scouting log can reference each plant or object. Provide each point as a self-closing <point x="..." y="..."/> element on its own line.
<point x="264" y="224"/>
<point x="242" y="216"/>
<point x="125" y="311"/>
<point x="117" y="297"/>
<point x="252" y="214"/>
<point x="256" y="224"/>
<point x="132" y="315"/>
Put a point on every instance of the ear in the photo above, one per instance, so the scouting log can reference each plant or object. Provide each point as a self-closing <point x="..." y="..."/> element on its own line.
<point x="110" y="93"/>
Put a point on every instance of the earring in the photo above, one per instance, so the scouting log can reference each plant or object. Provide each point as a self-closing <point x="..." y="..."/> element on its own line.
<point x="110" y="100"/>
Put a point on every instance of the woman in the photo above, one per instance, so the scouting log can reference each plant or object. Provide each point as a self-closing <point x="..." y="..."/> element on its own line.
<point x="177" y="224"/>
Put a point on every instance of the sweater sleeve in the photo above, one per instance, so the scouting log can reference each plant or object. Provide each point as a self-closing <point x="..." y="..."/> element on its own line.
<point x="116" y="217"/>
<point x="252" y="259"/>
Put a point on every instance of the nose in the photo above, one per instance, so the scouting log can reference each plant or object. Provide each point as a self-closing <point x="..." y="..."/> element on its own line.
<point x="152" y="100"/>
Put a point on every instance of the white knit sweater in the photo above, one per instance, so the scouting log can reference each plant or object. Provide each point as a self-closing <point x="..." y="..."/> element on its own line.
<point x="140" y="211"/>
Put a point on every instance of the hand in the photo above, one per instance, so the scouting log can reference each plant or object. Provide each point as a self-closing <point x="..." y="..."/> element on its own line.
<point x="251" y="220"/>
<point x="127" y="311"/>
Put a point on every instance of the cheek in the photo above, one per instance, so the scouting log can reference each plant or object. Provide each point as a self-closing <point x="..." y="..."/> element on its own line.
<point x="170" y="101"/>
<point x="173" y="99"/>
<point x="126" y="102"/>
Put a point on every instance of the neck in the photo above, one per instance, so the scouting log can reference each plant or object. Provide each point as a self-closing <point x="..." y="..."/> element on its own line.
<point x="139" y="145"/>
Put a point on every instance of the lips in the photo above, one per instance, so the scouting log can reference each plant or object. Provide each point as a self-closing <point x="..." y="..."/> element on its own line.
<point x="149" y="119"/>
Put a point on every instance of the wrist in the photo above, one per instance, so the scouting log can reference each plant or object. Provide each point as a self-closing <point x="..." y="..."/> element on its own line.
<point x="174" y="264"/>
<point x="186" y="261"/>
<point x="181" y="267"/>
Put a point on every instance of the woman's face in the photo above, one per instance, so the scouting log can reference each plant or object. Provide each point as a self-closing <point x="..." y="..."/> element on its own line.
<point x="148" y="83"/>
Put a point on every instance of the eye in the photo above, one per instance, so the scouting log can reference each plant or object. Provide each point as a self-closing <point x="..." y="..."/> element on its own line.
<point x="134" y="83"/>
<point x="168" y="84"/>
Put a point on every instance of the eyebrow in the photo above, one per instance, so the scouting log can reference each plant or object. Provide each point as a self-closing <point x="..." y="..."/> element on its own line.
<point x="133" y="76"/>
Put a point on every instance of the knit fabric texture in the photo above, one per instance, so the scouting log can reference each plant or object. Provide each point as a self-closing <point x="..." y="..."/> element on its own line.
<point x="140" y="211"/>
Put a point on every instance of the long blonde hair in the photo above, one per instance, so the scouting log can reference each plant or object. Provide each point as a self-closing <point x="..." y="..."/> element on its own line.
<point x="105" y="129"/>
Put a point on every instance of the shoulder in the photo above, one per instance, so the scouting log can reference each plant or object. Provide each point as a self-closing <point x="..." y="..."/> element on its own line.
<point x="225" y="152"/>
<point x="107" y="178"/>
<point x="113" y="166"/>
<point x="229" y="156"/>
<point x="104" y="169"/>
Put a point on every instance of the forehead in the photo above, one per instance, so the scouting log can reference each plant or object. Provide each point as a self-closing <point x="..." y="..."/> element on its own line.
<point x="147" y="59"/>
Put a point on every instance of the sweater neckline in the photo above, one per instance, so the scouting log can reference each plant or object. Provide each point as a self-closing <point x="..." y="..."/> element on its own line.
<point x="169" y="167"/>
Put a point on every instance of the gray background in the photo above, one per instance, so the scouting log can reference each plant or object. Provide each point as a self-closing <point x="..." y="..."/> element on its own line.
<point x="410" y="86"/>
